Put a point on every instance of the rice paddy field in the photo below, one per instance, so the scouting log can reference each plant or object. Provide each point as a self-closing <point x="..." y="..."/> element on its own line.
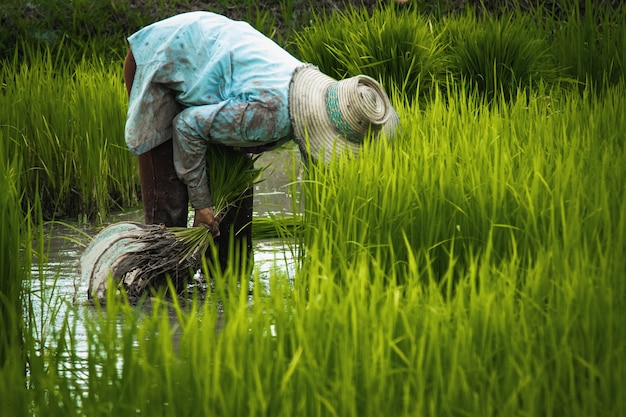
<point x="473" y="266"/>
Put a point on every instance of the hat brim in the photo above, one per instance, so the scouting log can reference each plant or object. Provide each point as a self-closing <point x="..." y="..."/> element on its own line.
<point x="314" y="132"/>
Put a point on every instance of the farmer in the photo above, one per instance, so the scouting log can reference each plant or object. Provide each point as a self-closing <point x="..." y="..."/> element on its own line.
<point x="200" y="77"/>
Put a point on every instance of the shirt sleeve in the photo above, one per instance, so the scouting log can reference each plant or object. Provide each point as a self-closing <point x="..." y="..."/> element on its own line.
<point x="232" y="123"/>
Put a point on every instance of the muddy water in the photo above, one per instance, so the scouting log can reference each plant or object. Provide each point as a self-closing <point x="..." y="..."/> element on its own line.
<point x="57" y="292"/>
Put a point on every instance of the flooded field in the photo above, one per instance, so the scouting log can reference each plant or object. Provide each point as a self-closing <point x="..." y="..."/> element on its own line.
<point x="57" y="292"/>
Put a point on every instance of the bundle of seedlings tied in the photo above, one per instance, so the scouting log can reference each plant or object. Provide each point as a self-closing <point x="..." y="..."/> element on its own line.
<point x="141" y="256"/>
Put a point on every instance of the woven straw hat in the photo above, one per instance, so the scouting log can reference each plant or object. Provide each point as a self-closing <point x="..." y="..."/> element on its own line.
<point x="329" y="115"/>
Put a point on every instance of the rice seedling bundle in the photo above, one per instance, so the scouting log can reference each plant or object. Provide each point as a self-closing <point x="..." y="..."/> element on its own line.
<point x="142" y="257"/>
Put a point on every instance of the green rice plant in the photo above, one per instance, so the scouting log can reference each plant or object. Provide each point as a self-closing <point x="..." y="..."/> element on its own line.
<point x="230" y="174"/>
<point x="286" y="227"/>
<point x="498" y="55"/>
<point x="538" y="338"/>
<point x="589" y="47"/>
<point x="314" y="44"/>
<point x="17" y="252"/>
<point x="287" y="9"/>
<point x="402" y="49"/>
<point x="66" y="120"/>
<point x="464" y="175"/>
<point x="14" y="269"/>
<point x="474" y="265"/>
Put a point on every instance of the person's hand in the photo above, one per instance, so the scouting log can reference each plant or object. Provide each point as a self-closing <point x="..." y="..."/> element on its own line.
<point x="206" y="218"/>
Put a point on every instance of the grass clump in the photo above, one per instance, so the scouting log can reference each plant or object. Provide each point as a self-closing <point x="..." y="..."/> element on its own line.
<point x="17" y="253"/>
<point x="402" y="49"/>
<point x="65" y="121"/>
<point x="498" y="56"/>
<point x="13" y="231"/>
<point x="516" y="176"/>
<point x="590" y="47"/>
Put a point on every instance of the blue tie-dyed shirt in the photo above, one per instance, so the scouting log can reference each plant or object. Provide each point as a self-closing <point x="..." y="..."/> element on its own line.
<point x="203" y="77"/>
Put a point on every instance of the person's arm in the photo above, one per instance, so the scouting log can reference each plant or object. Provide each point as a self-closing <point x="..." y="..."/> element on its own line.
<point x="231" y="123"/>
<point x="190" y="145"/>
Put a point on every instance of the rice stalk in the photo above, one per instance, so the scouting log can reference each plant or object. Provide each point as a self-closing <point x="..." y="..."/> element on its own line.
<point x="13" y="265"/>
<point x="230" y="174"/>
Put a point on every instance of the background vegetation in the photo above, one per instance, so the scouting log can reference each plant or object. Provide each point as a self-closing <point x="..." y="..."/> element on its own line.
<point x="65" y="102"/>
<point x="474" y="266"/>
<point x="101" y="26"/>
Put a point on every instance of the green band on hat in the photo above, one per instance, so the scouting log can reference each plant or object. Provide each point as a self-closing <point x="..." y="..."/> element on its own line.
<point x="336" y="117"/>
